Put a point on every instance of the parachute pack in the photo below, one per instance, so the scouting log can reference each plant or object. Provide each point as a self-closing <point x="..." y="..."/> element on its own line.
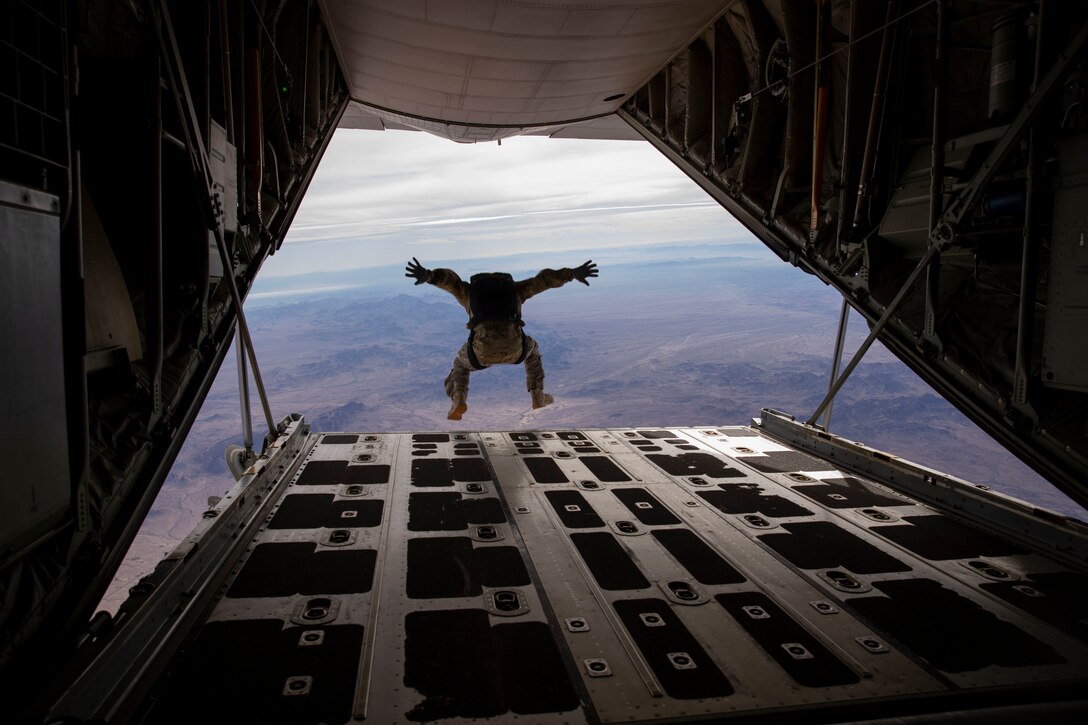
<point x="492" y="296"/>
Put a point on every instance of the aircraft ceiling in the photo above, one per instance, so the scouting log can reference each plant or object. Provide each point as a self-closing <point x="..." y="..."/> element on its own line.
<point x="479" y="71"/>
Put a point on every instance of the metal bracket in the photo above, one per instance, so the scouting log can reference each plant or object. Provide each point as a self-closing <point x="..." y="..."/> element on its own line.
<point x="840" y="339"/>
<point x="890" y="310"/>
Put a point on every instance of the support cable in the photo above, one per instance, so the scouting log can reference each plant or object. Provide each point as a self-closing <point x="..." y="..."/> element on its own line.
<point x="1025" y="322"/>
<point x="199" y="162"/>
<point x="819" y="118"/>
<point x="848" y="101"/>
<point x="876" y="114"/>
<point x="153" y="315"/>
<point x="936" y="174"/>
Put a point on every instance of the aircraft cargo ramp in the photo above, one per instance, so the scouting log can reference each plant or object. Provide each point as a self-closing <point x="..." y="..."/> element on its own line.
<point x="599" y="576"/>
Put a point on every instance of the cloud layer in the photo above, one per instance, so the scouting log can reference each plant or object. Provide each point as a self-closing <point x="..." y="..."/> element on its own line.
<point x="380" y="197"/>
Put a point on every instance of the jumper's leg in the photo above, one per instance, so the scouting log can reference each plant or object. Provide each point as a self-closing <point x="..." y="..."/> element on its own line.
<point x="534" y="375"/>
<point x="456" y="384"/>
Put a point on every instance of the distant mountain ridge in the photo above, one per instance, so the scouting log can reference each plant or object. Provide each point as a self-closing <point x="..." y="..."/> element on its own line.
<point x="706" y="343"/>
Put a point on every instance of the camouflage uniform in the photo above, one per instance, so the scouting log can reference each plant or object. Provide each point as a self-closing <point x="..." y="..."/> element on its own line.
<point x="498" y="342"/>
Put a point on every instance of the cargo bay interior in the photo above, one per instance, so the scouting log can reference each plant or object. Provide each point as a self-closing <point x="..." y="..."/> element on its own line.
<point x="923" y="158"/>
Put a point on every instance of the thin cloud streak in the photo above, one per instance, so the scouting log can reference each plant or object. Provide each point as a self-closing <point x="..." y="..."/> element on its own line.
<point x="643" y="207"/>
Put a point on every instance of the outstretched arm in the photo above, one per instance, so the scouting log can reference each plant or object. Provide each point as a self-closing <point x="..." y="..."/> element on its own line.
<point x="552" y="278"/>
<point x="445" y="279"/>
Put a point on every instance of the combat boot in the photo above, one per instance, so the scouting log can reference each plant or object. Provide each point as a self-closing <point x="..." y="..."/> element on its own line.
<point x="458" y="406"/>
<point x="540" y="398"/>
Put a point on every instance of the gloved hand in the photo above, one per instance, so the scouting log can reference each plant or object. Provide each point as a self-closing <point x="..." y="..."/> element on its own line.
<point x="587" y="270"/>
<point x="417" y="270"/>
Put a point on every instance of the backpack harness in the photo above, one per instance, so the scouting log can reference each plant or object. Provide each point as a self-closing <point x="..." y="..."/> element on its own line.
<point x="493" y="296"/>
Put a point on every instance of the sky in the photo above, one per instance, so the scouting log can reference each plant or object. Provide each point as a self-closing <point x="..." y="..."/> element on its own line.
<point x="381" y="197"/>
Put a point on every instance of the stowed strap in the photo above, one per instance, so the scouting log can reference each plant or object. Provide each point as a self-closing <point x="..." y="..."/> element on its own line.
<point x="524" y="349"/>
<point x="472" y="359"/>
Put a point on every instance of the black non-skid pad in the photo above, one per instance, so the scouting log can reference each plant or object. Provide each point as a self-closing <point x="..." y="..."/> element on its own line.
<point x="523" y="436"/>
<point x="849" y="492"/>
<point x="466" y="449"/>
<point x="339" y="473"/>
<point x="941" y="538"/>
<point x="1058" y="598"/>
<point x="573" y="510"/>
<point x="470" y="470"/>
<point x="800" y="654"/>
<point x="697" y="557"/>
<point x="483" y="510"/>
<point x="748" y="498"/>
<point x="571" y="435"/>
<point x="432" y="472"/>
<point x="784" y="462"/>
<point x="694" y="464"/>
<point x="609" y="562"/>
<point x="501" y="566"/>
<point x="605" y="469"/>
<point x="442" y="567"/>
<point x="949" y="631"/>
<point x="449" y="511"/>
<point x="645" y="506"/>
<point x="438" y="472"/>
<point x="545" y="470"/>
<point x="445" y="567"/>
<point x="286" y="569"/>
<point x="316" y="510"/>
<point x="431" y="437"/>
<point x="463" y="667"/>
<point x="656" y="433"/>
<point x="823" y="545"/>
<point x="435" y="512"/>
<point x="681" y="664"/>
<point x="333" y="440"/>
<point x="253" y="660"/>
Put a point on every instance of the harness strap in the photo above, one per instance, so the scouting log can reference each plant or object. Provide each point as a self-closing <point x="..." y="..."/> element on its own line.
<point x="472" y="359"/>
<point x="524" y="348"/>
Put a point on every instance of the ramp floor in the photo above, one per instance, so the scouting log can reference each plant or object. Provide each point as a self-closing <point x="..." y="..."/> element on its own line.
<point x="617" y="576"/>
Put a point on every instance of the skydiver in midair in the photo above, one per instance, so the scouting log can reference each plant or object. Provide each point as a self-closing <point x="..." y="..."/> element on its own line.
<point x="493" y="301"/>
